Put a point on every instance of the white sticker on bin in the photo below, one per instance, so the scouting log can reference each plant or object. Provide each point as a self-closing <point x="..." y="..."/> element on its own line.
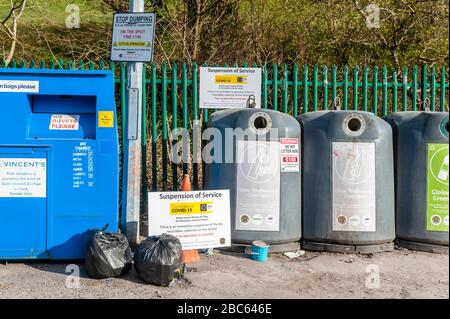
<point x="23" y="177"/>
<point x="64" y="122"/>
<point x="15" y="86"/>
<point x="289" y="155"/>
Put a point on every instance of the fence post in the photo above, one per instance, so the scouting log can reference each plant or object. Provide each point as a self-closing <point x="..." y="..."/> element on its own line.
<point x="164" y="123"/>
<point x="334" y="84"/>
<point x="315" y="80"/>
<point x="305" y="88"/>
<point x="365" y="86"/>
<point x="442" y="91"/>
<point x="205" y="121"/>
<point x="205" y="111"/>
<point x="144" y="189"/>
<point x="144" y="129"/>
<point x="195" y="119"/>
<point x="394" y="90"/>
<point x="275" y="87"/>
<point x="154" y="130"/>
<point x="174" y="123"/>
<point x="184" y="96"/>
<point x="345" y="88"/>
<point x="375" y="90"/>
<point x="433" y="89"/>
<point x="424" y="85"/>
<point x="295" y="90"/>
<point x="355" y="88"/>
<point x="405" y="89"/>
<point x="325" y="87"/>
<point x="384" y="92"/>
<point x="285" y="96"/>
<point x="123" y="102"/>
<point x="414" y="89"/>
<point x="264" y="86"/>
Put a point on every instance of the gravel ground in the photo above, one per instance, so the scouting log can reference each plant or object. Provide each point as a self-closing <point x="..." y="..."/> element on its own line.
<point x="403" y="274"/>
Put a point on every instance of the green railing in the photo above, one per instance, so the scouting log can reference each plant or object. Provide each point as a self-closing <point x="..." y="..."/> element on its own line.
<point x="170" y="100"/>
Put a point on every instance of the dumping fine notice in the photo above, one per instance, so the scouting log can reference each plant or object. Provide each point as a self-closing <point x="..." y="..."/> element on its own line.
<point x="133" y="35"/>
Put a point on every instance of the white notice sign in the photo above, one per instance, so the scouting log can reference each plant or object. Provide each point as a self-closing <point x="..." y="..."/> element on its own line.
<point x="258" y="186"/>
<point x="15" y="86"/>
<point x="23" y="177"/>
<point x="290" y="155"/>
<point x="133" y="35"/>
<point x="64" y="122"/>
<point x="230" y="87"/>
<point x="199" y="219"/>
<point x="354" y="187"/>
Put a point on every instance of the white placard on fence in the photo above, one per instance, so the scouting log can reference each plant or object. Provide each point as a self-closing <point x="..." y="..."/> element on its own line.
<point x="222" y="88"/>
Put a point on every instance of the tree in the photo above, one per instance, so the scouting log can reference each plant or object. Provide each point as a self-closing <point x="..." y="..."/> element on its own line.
<point x="9" y="25"/>
<point x="230" y="31"/>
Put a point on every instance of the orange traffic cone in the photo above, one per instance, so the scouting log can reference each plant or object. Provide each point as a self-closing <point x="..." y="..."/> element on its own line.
<point x="189" y="256"/>
<point x="186" y="183"/>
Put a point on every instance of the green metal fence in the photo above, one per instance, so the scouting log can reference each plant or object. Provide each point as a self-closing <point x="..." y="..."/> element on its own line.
<point x="170" y="100"/>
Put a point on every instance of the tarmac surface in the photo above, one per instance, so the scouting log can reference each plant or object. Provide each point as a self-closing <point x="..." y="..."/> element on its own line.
<point x="397" y="274"/>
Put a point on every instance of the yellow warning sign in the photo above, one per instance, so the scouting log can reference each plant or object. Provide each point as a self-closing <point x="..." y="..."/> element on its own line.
<point x="131" y="44"/>
<point x="190" y="208"/>
<point x="105" y="119"/>
<point x="230" y="79"/>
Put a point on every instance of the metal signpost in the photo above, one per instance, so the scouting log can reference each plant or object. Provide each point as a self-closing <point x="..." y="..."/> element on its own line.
<point x="132" y="42"/>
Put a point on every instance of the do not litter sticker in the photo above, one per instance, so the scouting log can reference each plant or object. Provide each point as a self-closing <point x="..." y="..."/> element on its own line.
<point x="289" y="155"/>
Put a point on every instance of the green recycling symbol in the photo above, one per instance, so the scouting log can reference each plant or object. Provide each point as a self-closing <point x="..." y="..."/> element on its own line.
<point x="437" y="188"/>
<point x="439" y="164"/>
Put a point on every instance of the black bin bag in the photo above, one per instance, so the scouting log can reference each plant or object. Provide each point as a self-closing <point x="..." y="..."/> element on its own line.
<point x="107" y="254"/>
<point x="158" y="258"/>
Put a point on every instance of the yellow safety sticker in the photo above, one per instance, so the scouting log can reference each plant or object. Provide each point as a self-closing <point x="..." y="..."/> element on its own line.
<point x="132" y="44"/>
<point x="230" y="79"/>
<point x="105" y="119"/>
<point x="190" y="208"/>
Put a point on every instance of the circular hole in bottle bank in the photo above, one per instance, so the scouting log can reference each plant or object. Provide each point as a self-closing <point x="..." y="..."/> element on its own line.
<point x="260" y="123"/>
<point x="354" y="124"/>
<point x="446" y="127"/>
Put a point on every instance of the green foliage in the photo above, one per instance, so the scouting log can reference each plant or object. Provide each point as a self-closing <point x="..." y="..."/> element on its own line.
<point x="229" y="31"/>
